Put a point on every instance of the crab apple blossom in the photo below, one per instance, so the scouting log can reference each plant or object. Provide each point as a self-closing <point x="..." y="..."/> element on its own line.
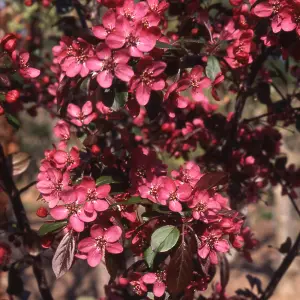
<point x="81" y="116"/>
<point x="25" y="70"/>
<point x="211" y="244"/>
<point x="109" y="65"/>
<point x="157" y="279"/>
<point x="149" y="78"/>
<point x="100" y="240"/>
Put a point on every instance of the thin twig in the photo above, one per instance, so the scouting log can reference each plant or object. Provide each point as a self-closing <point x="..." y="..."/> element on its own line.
<point x="25" y="188"/>
<point x="281" y="270"/>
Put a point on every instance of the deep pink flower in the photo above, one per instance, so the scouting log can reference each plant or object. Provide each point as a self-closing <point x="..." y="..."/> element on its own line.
<point x="158" y="6"/>
<point x="211" y="243"/>
<point x="198" y="82"/>
<point x="101" y="240"/>
<point x="25" y="70"/>
<point x="189" y="173"/>
<point x="150" y="189"/>
<point x="82" y="116"/>
<point x="133" y="11"/>
<point x="204" y="208"/>
<point x="136" y="38"/>
<point x="149" y="79"/>
<point x="127" y="211"/>
<point x="73" y="211"/>
<point x="108" y="25"/>
<point x="67" y="160"/>
<point x="93" y="197"/>
<point x="291" y="19"/>
<point x="158" y="280"/>
<point x="62" y="130"/>
<point x="109" y="65"/>
<point x="172" y="194"/>
<point x="51" y="184"/>
<point x="74" y="62"/>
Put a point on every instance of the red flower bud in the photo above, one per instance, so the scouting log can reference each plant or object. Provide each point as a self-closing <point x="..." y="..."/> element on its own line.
<point x="46" y="241"/>
<point x="42" y="212"/>
<point x="1" y="110"/>
<point x="95" y="149"/>
<point x="12" y="96"/>
<point x="5" y="253"/>
<point x="9" y="42"/>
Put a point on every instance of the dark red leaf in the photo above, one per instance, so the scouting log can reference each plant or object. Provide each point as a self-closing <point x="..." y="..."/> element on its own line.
<point x="113" y="263"/>
<point x="210" y="180"/>
<point x="286" y="246"/>
<point x="62" y="91"/>
<point x="64" y="255"/>
<point x="224" y="271"/>
<point x="180" y="269"/>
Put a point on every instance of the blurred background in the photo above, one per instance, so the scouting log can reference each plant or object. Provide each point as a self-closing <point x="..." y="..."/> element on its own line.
<point x="272" y="219"/>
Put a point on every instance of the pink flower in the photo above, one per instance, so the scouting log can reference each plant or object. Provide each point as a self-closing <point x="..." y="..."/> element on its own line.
<point x="25" y="70"/>
<point x="133" y="11"/>
<point x="157" y="279"/>
<point x="198" y="82"/>
<point x="204" y="208"/>
<point x="189" y="173"/>
<point x="62" y="130"/>
<point x="100" y="241"/>
<point x="93" y="197"/>
<point x="75" y="61"/>
<point x="150" y="189"/>
<point x="158" y="6"/>
<point x="109" y="65"/>
<point x="82" y="116"/>
<point x="67" y="160"/>
<point x="211" y="243"/>
<point x="108" y="22"/>
<point x="136" y="38"/>
<point x="148" y="80"/>
<point x="172" y="194"/>
<point x="51" y="183"/>
<point x="73" y="210"/>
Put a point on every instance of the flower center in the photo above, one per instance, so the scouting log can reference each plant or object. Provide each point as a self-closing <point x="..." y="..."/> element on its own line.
<point x="161" y="276"/>
<point x="211" y="240"/>
<point x="276" y="7"/>
<point x="109" y="64"/>
<point x="173" y="196"/>
<point x="141" y="172"/>
<point x="131" y="40"/>
<point x="146" y="77"/>
<point x="100" y="243"/>
<point x="92" y="195"/>
<point x="201" y="207"/>
<point x="73" y="208"/>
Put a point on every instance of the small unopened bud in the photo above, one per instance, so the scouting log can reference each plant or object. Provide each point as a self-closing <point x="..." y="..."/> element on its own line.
<point x="42" y="212"/>
<point x="9" y="42"/>
<point x="12" y="96"/>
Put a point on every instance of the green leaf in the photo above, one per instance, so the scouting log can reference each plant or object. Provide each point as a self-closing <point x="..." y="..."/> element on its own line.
<point x="163" y="45"/>
<point x="105" y="180"/>
<point x="213" y="68"/>
<point x="51" y="227"/>
<point x="119" y="101"/>
<point x="164" y="238"/>
<point x="149" y="256"/>
<point x="13" y="121"/>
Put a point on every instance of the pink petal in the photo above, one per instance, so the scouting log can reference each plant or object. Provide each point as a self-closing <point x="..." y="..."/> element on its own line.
<point x="197" y="72"/>
<point x="159" y="289"/>
<point x="115" y="40"/>
<point x="44" y="187"/>
<point x="158" y="85"/>
<point x="97" y="231"/>
<point x="74" y="69"/>
<point x="105" y="79"/>
<point x="86" y="245"/>
<point x="100" y="205"/>
<point x="143" y="94"/>
<point x="73" y="110"/>
<point x="87" y="108"/>
<point x="204" y="251"/>
<point x="221" y="246"/>
<point x="89" y="207"/>
<point x="99" y="32"/>
<point x="184" y="191"/>
<point x="170" y="185"/>
<point x="213" y="257"/>
<point x="103" y="52"/>
<point x="94" y="64"/>
<point x="140" y="10"/>
<point x="146" y="42"/>
<point x="109" y="19"/>
<point x="175" y="206"/>
<point x="32" y="72"/>
<point x="87" y="217"/>
<point x="121" y="56"/>
<point x="263" y="9"/>
<point x="158" y="68"/>
<point x="124" y="72"/>
<point x="94" y="257"/>
<point x="87" y="120"/>
<point x="103" y="190"/>
<point x="114" y="248"/>
<point x="60" y="157"/>
<point x="135" y="52"/>
<point x="149" y="278"/>
<point x="59" y="212"/>
<point x="76" y="223"/>
<point x="112" y="234"/>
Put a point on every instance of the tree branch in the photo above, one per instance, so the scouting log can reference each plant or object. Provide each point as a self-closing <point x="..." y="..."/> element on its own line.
<point x="281" y="270"/>
<point x="23" y="224"/>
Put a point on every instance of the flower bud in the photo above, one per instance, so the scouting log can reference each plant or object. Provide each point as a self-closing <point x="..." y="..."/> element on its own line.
<point x="12" y="96"/>
<point x="9" y="42"/>
<point x="42" y="212"/>
<point x="5" y="253"/>
<point x="1" y="110"/>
